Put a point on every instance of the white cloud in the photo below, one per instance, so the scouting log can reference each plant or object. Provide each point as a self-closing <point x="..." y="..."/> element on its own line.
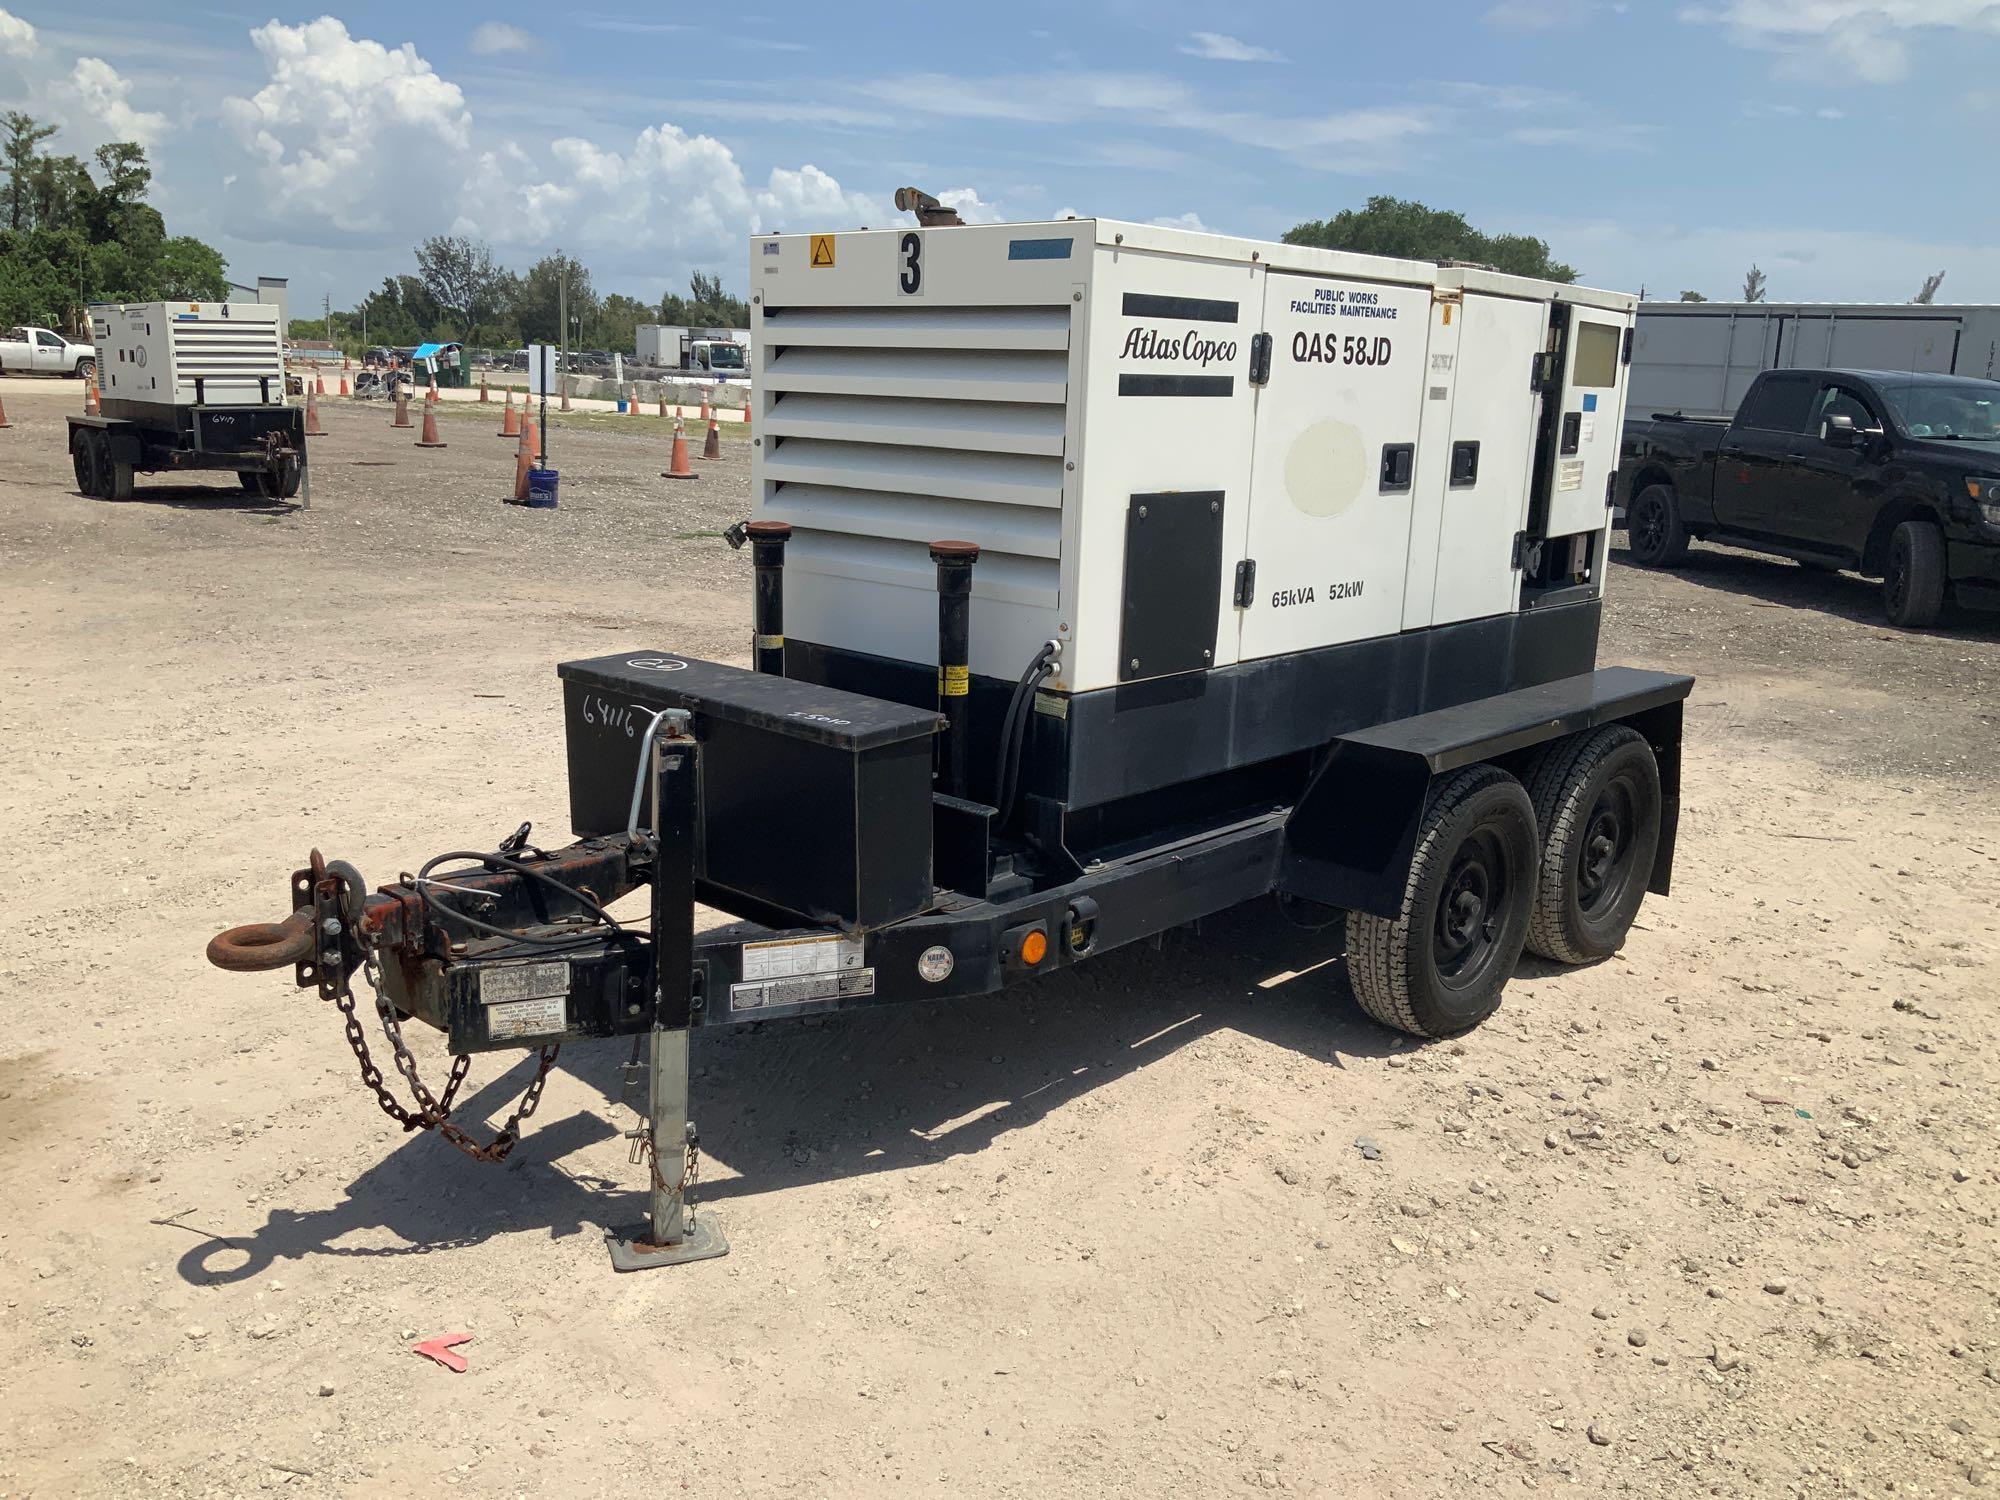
<point x="91" y="102"/>
<point x="971" y="207"/>
<point x="490" y="37"/>
<point x="1219" y="48"/>
<point x="1189" y="220"/>
<point x="17" y="37"/>
<point x="1865" y="38"/>
<point x="95" y="90"/>
<point x="350" y="140"/>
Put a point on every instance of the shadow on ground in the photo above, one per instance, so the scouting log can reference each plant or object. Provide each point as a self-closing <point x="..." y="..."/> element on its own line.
<point x="1780" y="581"/>
<point x="867" y="1092"/>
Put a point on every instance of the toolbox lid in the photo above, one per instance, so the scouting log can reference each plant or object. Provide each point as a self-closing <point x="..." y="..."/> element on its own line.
<point x="782" y="705"/>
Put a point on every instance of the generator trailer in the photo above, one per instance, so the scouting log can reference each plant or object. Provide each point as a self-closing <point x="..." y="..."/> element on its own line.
<point x="187" y="387"/>
<point x="1106" y="576"/>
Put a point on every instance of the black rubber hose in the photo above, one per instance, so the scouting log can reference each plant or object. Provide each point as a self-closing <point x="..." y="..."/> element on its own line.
<point x="1017" y="730"/>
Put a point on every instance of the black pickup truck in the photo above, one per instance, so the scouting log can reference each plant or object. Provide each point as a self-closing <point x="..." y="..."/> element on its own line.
<point x="1894" y="475"/>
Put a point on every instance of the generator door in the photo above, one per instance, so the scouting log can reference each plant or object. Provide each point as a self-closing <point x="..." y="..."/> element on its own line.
<point x="1583" y="420"/>
<point x="1333" y="469"/>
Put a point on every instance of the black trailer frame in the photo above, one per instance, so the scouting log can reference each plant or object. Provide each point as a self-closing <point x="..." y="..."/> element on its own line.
<point x="264" y="442"/>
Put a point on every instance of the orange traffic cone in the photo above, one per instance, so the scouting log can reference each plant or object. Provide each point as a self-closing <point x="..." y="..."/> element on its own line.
<point x="430" y="438"/>
<point x="746" y="411"/>
<point x="509" y="426"/>
<point x="711" y="446"/>
<point x="402" y="410"/>
<point x="4" y="423"/>
<point x="531" y="438"/>
<point x="632" y="402"/>
<point x="523" y="466"/>
<point x="706" y="412"/>
<point x="346" y="363"/>
<point x="313" y="429"/>
<point x="434" y="388"/>
<point x="319" y="385"/>
<point x="91" y="405"/>
<point x="677" y="464"/>
<point x="482" y="387"/>
<point x="343" y="387"/>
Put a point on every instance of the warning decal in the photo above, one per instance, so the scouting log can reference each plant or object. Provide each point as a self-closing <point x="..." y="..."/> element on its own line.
<point x="822" y="252"/>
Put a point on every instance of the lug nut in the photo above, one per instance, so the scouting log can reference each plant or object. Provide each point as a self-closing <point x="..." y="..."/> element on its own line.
<point x="331" y="927"/>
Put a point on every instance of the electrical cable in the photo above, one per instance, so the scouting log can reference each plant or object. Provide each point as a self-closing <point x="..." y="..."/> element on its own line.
<point x="604" y="918"/>
<point x="1014" y="730"/>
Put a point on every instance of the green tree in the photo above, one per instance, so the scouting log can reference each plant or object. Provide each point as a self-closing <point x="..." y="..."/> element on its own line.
<point x="538" y="295"/>
<point x="1412" y="231"/>
<point x="1753" y="285"/>
<point x="1930" y="290"/>
<point x="24" y="135"/>
<point x="462" y="280"/>
<point x="706" y="305"/>
<point x="1693" y="297"/>
<point x="618" y="320"/>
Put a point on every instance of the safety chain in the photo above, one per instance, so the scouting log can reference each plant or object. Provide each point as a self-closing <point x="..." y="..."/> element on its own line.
<point x="690" y="1164"/>
<point x="432" y="1113"/>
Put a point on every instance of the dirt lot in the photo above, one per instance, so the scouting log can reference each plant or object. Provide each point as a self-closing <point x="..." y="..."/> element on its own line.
<point x="1714" y="1218"/>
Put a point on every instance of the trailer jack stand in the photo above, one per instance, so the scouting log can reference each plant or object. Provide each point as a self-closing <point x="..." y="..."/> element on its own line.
<point x="672" y="1235"/>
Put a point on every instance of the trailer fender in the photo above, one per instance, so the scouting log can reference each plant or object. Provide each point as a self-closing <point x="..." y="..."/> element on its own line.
<point x="1350" y="839"/>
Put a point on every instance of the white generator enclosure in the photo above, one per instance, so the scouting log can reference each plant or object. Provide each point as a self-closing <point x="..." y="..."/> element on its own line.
<point x="189" y="353"/>
<point x="1209" y="464"/>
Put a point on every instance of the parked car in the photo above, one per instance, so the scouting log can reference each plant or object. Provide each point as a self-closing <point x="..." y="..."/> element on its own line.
<point x="1894" y="475"/>
<point x="43" y="351"/>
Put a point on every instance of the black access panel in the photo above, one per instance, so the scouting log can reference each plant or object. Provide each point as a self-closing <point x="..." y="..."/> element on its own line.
<point x="1173" y="583"/>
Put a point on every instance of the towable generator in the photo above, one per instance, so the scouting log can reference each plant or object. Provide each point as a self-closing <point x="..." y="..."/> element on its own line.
<point x="1106" y="577"/>
<point x="189" y="387"/>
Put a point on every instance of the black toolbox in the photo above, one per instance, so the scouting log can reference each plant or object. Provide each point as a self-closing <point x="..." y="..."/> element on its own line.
<point x="815" y="803"/>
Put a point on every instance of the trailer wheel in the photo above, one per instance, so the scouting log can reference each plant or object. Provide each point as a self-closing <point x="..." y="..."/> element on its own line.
<point x="81" y="461"/>
<point x="118" y="479"/>
<point x="1913" y="586"/>
<point x="1597" y="804"/>
<point x="1437" y="967"/>
<point x="93" y="465"/>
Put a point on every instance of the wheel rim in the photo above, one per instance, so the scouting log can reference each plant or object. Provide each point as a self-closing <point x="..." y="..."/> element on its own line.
<point x="1605" y="862"/>
<point x="1649" y="527"/>
<point x="1471" y="911"/>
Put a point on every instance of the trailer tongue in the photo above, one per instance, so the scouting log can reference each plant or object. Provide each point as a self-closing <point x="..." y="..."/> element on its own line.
<point x="973" y="762"/>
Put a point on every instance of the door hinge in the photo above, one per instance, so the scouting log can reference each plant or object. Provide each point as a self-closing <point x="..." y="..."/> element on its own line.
<point x="1260" y="359"/>
<point x="1527" y="552"/>
<point x="1546" y="373"/>
<point x="1246" y="582"/>
<point x="1625" y="355"/>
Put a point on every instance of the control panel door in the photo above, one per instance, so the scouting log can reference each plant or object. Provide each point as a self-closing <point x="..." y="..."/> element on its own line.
<point x="1589" y="416"/>
<point x="1333" y="463"/>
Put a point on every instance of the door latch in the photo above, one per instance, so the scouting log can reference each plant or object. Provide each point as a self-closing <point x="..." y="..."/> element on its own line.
<point x="1260" y="359"/>
<point x="1246" y="582"/>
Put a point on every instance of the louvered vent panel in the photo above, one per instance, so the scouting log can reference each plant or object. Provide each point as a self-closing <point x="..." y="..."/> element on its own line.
<point x="231" y="357"/>
<point x="887" y="428"/>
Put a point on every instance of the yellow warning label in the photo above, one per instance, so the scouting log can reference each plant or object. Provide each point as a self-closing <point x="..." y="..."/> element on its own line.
<point x="954" y="682"/>
<point x="822" y="252"/>
<point x="770" y="642"/>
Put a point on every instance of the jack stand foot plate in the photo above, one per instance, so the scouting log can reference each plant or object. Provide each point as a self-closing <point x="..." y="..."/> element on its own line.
<point x="633" y="1251"/>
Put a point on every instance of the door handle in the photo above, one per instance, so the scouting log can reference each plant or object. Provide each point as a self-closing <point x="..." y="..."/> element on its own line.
<point x="1399" y="463"/>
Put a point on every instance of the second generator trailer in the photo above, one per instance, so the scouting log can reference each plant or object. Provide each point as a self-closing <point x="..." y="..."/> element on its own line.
<point x="1106" y="576"/>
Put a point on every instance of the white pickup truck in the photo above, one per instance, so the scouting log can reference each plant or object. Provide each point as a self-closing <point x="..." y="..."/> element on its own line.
<point x="41" y="351"/>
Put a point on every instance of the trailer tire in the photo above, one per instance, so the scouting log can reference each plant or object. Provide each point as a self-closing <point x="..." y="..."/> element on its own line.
<point x="102" y="465"/>
<point x="1654" y="532"/>
<point x="118" y="483"/>
<point x="1913" y="583"/>
<point x="81" y="462"/>
<point x="1597" y="806"/>
<point x="1438" y="966"/>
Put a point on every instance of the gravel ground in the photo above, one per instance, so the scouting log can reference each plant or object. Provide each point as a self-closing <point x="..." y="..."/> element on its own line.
<point x="1715" y="1217"/>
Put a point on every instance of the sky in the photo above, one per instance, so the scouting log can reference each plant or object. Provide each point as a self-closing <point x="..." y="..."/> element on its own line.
<point x="1842" y="145"/>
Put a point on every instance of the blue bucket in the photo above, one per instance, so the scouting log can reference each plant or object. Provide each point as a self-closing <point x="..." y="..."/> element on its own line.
<point x="542" y="488"/>
<point x="621" y="403"/>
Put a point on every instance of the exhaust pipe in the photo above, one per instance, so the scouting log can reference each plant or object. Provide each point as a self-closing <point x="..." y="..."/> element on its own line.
<point x="767" y="552"/>
<point x="954" y="584"/>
